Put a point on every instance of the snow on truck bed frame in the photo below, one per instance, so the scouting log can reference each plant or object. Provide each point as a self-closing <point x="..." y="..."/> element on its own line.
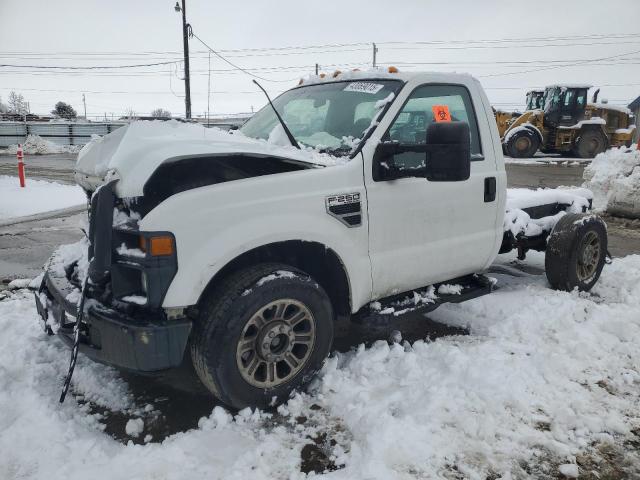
<point x="518" y="221"/>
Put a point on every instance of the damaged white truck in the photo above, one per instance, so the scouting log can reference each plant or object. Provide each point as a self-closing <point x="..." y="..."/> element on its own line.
<point x="363" y="192"/>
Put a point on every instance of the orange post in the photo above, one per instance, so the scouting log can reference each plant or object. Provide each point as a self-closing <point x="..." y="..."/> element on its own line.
<point x="20" y="165"/>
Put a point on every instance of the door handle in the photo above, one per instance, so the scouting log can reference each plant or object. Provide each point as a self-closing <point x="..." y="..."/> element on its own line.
<point x="489" y="189"/>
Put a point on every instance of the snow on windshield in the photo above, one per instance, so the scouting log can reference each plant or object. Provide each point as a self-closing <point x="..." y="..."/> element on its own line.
<point x="332" y="116"/>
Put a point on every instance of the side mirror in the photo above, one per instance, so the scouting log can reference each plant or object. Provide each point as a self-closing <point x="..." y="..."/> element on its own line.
<point x="448" y="152"/>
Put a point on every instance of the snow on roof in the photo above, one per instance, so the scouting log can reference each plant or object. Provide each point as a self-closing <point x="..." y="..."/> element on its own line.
<point x="380" y="73"/>
<point x="570" y="85"/>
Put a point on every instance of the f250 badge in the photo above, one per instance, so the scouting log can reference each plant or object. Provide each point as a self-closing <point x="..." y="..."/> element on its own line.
<point x="345" y="207"/>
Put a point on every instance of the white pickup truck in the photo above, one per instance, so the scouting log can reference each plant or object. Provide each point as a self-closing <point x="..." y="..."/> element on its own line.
<point x="367" y="193"/>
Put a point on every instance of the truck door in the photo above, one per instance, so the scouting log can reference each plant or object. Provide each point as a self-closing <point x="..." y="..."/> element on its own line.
<point x="422" y="232"/>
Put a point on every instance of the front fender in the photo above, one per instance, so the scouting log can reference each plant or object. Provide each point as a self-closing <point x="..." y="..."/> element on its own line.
<point x="215" y="224"/>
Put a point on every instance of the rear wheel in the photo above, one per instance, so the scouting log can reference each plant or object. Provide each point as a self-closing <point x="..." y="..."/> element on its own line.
<point x="576" y="252"/>
<point x="590" y="143"/>
<point x="523" y="144"/>
<point x="261" y="334"/>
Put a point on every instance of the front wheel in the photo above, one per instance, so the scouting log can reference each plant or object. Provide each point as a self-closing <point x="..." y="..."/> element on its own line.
<point x="523" y="143"/>
<point x="262" y="333"/>
<point x="576" y="252"/>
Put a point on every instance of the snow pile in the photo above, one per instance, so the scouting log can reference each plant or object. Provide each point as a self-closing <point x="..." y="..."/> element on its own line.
<point x="36" y="145"/>
<point x="528" y="391"/>
<point x="517" y="221"/>
<point x="614" y="178"/>
<point x="38" y="196"/>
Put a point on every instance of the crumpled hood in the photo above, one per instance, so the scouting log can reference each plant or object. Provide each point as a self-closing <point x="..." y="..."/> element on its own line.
<point x="133" y="152"/>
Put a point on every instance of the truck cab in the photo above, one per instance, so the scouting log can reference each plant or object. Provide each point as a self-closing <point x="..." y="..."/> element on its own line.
<point x="240" y="249"/>
<point x="564" y="105"/>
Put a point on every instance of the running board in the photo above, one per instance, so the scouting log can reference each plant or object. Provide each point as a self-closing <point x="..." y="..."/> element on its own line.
<point x="424" y="300"/>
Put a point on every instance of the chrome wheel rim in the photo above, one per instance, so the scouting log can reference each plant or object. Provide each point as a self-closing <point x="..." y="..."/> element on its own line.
<point x="276" y="343"/>
<point x="589" y="257"/>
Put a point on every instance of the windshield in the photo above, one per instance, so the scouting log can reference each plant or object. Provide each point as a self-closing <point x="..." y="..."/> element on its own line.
<point x="330" y="117"/>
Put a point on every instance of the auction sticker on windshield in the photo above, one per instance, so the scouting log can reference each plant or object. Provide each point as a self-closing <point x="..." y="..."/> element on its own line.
<point x="364" y="87"/>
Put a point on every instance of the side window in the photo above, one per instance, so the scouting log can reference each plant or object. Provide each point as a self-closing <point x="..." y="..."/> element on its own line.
<point x="568" y="96"/>
<point x="410" y="126"/>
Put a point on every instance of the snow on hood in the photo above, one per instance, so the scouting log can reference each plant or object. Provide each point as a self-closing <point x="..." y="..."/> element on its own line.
<point x="133" y="152"/>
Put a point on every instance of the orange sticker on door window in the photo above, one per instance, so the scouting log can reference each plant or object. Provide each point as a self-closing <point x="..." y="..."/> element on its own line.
<point x="441" y="113"/>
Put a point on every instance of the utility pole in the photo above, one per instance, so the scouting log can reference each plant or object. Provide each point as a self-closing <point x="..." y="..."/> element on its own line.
<point x="209" y="89"/>
<point x="317" y="68"/>
<point x="375" y="51"/>
<point x="185" y="42"/>
<point x="85" y="106"/>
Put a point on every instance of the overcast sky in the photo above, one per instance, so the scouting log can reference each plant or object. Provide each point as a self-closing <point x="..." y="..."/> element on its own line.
<point x="454" y="34"/>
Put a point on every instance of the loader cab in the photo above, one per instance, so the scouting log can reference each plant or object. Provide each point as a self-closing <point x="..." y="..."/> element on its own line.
<point x="564" y="105"/>
<point x="534" y="100"/>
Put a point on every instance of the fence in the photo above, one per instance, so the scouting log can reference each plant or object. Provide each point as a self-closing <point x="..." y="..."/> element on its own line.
<point x="71" y="133"/>
<point x="60" y="133"/>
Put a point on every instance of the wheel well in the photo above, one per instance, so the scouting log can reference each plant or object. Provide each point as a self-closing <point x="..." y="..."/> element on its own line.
<point x="319" y="261"/>
<point x="536" y="131"/>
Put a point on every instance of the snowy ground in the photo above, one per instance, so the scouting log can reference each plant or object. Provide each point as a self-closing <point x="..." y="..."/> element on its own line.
<point x="37" y="197"/>
<point x="36" y="145"/>
<point x="546" y="382"/>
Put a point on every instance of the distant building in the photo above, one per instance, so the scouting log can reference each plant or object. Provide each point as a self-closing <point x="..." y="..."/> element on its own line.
<point x="635" y="109"/>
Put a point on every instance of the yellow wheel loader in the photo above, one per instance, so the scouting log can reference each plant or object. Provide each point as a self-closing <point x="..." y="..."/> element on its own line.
<point x="505" y="119"/>
<point x="567" y="124"/>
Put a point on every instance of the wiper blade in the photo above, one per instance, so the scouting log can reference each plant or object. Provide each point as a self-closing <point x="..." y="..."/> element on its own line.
<point x="284" y="125"/>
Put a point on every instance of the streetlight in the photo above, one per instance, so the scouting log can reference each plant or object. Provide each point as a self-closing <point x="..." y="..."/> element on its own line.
<point x="185" y="40"/>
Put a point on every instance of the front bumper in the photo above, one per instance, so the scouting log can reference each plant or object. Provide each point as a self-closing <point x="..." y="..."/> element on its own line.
<point x="143" y="343"/>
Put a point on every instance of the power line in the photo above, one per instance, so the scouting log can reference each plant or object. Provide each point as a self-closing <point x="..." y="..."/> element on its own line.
<point x="233" y="64"/>
<point x="562" y="66"/>
<point x="93" y="67"/>
<point x="352" y="44"/>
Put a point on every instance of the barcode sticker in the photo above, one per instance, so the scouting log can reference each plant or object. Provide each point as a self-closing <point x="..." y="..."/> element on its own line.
<point x="364" y="87"/>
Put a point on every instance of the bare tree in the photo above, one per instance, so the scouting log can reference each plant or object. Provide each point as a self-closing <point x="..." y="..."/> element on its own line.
<point x="131" y="113"/>
<point x="161" y="113"/>
<point x="3" y="107"/>
<point x="17" y="104"/>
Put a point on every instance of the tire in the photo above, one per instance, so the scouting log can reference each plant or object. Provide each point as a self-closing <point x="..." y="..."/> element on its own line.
<point x="523" y="144"/>
<point x="576" y="252"/>
<point x="590" y="143"/>
<point x="232" y="336"/>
